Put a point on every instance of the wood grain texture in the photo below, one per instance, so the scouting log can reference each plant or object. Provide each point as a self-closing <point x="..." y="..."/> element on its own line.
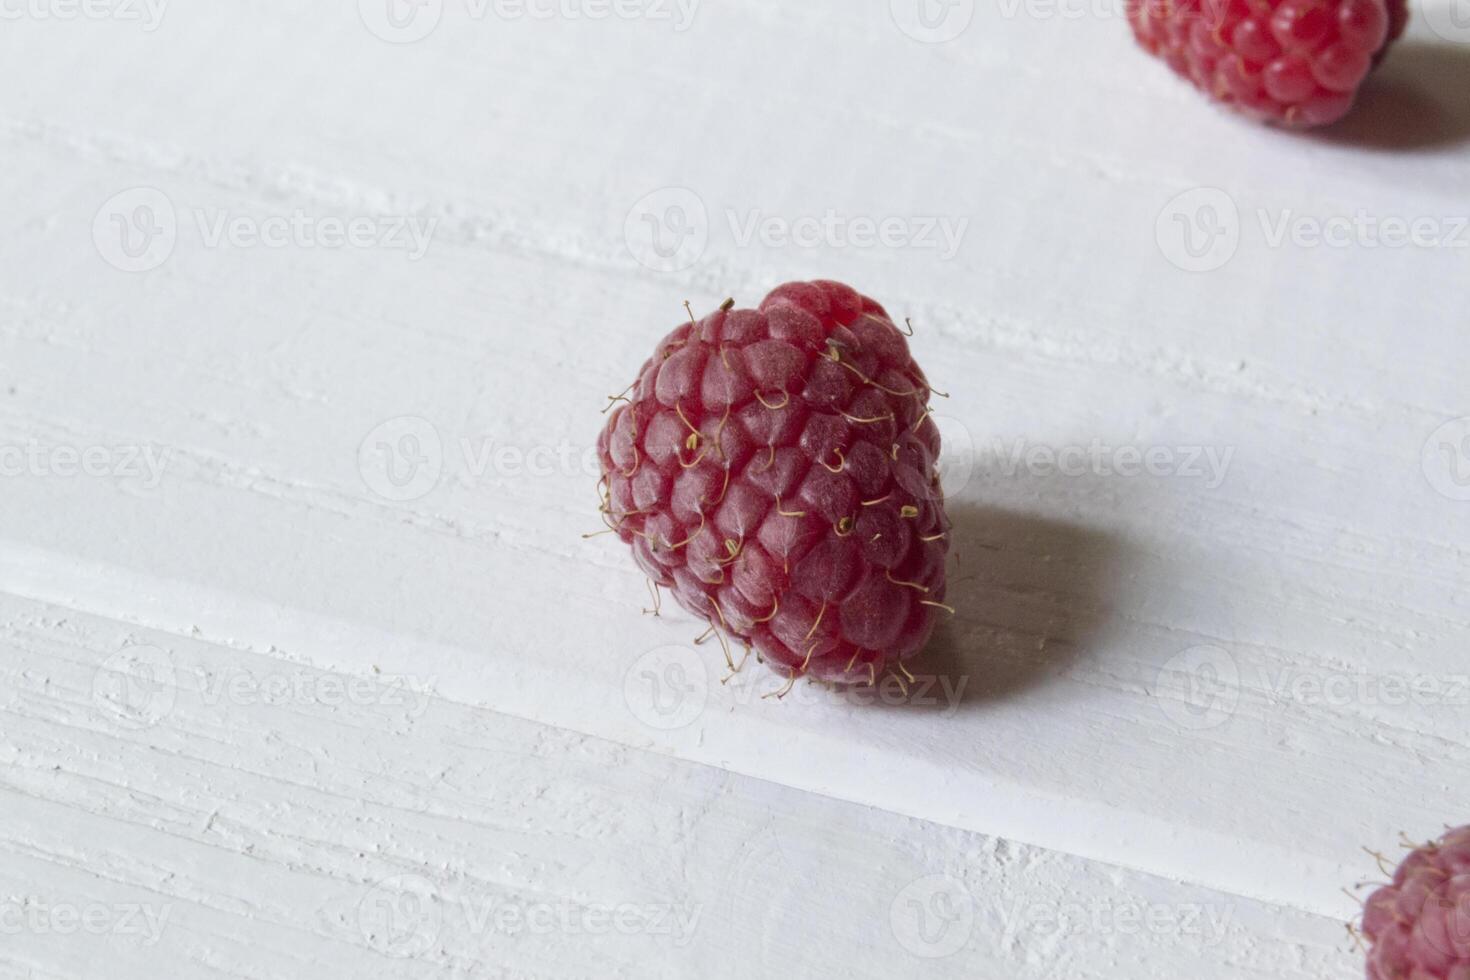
<point x="230" y="814"/>
<point x="1233" y="674"/>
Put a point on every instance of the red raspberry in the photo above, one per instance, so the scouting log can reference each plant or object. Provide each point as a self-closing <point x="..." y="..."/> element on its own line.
<point x="776" y="468"/>
<point x="1419" y="926"/>
<point x="1297" y="63"/>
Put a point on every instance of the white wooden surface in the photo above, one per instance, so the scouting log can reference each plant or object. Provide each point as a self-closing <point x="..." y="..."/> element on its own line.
<point x="317" y="721"/>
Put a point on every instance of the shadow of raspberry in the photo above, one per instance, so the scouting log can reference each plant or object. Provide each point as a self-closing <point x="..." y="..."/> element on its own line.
<point x="1029" y="594"/>
<point x="1415" y="101"/>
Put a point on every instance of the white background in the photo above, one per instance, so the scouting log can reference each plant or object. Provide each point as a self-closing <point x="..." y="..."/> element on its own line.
<point x="306" y="318"/>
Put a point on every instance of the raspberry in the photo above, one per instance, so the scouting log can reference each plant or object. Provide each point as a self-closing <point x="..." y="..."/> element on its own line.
<point x="1297" y="63"/>
<point x="776" y="469"/>
<point x="1419" y="926"/>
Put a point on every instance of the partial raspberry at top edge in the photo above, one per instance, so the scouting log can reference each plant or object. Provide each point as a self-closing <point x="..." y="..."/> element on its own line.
<point x="776" y="469"/>
<point x="1296" y="63"/>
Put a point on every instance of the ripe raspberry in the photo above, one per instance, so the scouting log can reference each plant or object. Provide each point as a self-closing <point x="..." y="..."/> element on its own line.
<point x="1297" y="63"/>
<point x="1419" y="926"/>
<point x="776" y="468"/>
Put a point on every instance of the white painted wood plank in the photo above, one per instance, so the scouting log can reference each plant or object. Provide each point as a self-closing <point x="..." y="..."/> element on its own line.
<point x="1081" y="563"/>
<point x="233" y="814"/>
<point x="1324" y="556"/>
